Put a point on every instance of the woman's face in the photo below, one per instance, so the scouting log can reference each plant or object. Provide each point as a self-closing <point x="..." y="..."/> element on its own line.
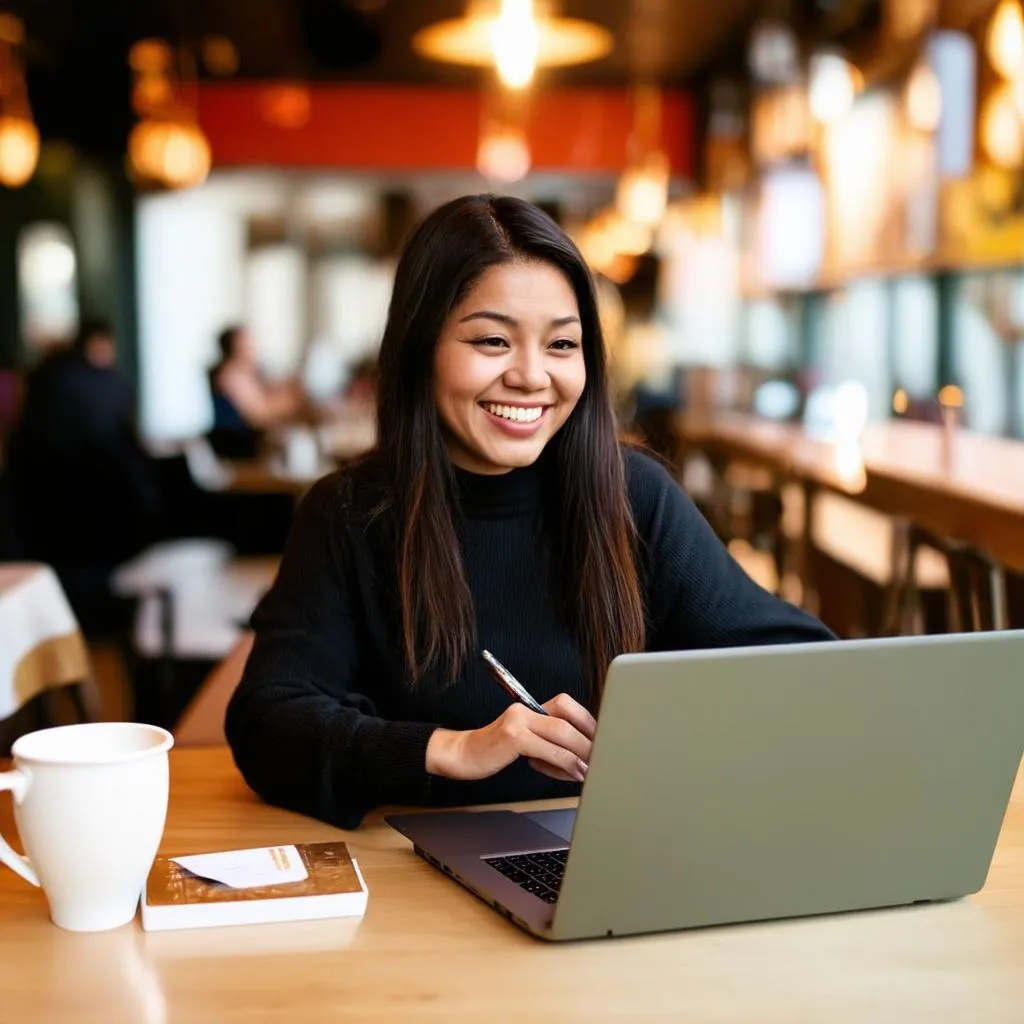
<point x="508" y="369"/>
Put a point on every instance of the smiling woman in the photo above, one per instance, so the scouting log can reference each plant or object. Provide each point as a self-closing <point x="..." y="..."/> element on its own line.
<point x="499" y="511"/>
<point x="509" y="367"/>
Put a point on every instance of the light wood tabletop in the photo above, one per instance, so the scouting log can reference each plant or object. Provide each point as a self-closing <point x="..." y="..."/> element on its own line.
<point x="428" y="950"/>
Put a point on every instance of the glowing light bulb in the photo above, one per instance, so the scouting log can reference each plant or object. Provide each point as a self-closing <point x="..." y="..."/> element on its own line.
<point x="833" y="87"/>
<point x="923" y="99"/>
<point x="642" y="193"/>
<point x="503" y="155"/>
<point x="515" y="41"/>
<point x="1002" y="136"/>
<point x="19" y="150"/>
<point x="1006" y="39"/>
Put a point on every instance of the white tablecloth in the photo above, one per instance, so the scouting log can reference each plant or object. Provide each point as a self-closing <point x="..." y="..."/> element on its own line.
<point x="40" y="642"/>
<point x="212" y="596"/>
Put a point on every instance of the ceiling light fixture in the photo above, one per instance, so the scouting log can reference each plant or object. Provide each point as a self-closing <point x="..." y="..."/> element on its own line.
<point x="922" y="98"/>
<point x="642" y="191"/>
<point x="19" y="136"/>
<point x="503" y="154"/>
<point x="834" y="84"/>
<point x="1005" y="42"/>
<point x="1002" y="135"/>
<point x="514" y="36"/>
<point x="166" y="147"/>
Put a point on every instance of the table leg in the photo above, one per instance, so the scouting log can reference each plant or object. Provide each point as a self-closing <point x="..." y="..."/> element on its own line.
<point x="809" y="595"/>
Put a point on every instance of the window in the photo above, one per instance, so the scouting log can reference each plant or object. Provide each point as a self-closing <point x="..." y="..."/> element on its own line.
<point x="915" y="336"/>
<point x="47" y="284"/>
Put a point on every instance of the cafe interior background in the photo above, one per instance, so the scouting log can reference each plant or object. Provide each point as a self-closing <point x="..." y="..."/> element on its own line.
<point x="802" y="214"/>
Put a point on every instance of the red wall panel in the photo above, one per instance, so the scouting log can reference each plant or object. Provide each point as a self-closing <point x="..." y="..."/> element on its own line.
<point x="393" y="127"/>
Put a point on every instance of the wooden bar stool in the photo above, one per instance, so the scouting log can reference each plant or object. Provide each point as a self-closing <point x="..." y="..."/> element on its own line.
<point x="977" y="595"/>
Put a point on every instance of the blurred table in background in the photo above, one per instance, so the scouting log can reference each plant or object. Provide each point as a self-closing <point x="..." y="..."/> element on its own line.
<point x="211" y="594"/>
<point x="268" y="476"/>
<point x="969" y="487"/>
<point x="194" y="601"/>
<point x="41" y="646"/>
<point x="298" y="456"/>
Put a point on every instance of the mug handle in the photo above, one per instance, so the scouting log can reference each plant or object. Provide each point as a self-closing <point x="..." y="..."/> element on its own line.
<point x="17" y="781"/>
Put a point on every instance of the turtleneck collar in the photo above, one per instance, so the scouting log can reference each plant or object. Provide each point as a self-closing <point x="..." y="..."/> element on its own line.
<point x="502" y="495"/>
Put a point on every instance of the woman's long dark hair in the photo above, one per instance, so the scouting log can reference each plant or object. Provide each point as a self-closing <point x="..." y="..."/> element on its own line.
<point x="596" y="545"/>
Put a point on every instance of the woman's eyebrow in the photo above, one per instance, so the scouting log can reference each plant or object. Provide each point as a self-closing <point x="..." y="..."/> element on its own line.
<point x="511" y="321"/>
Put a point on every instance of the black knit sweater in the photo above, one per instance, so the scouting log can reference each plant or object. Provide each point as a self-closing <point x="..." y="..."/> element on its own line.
<point x="323" y="722"/>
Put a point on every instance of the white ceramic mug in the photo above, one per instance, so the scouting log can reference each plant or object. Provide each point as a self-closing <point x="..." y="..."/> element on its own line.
<point x="90" y="803"/>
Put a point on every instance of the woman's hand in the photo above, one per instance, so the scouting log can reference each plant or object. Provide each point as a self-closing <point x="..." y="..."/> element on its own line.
<point x="557" y="744"/>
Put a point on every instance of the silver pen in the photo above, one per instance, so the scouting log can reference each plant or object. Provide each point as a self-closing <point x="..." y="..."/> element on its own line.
<point x="509" y="683"/>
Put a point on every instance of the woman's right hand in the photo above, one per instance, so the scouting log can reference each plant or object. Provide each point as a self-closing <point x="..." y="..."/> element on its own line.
<point x="557" y="744"/>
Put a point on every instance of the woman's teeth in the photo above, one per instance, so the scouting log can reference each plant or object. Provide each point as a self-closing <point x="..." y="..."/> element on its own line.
<point x="514" y="412"/>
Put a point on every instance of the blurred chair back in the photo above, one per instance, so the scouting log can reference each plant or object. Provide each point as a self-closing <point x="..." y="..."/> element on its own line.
<point x="204" y="465"/>
<point x="10" y="393"/>
<point x="10" y="547"/>
<point x="977" y="597"/>
<point x="916" y="408"/>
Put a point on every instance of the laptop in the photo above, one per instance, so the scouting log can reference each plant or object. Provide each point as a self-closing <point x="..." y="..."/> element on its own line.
<point x="761" y="783"/>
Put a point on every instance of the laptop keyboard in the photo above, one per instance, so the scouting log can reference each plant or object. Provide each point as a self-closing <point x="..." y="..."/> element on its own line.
<point x="537" y="873"/>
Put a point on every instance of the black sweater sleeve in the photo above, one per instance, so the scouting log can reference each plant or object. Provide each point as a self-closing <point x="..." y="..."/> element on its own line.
<point x="698" y="595"/>
<point x="301" y="725"/>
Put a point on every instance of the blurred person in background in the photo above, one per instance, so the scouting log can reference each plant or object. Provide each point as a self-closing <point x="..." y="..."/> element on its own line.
<point x="84" y="491"/>
<point x="245" y="404"/>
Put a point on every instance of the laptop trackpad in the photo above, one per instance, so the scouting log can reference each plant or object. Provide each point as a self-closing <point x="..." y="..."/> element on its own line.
<point x="559" y="821"/>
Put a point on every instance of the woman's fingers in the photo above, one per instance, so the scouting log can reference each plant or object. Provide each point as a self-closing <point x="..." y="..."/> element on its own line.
<point x="552" y="743"/>
<point x="536" y="747"/>
<point x="563" y="706"/>
<point x="551" y="771"/>
<point x="562" y="733"/>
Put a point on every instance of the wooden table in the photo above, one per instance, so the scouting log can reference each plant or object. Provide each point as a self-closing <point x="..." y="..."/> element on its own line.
<point x="972" y="491"/>
<point x="261" y="476"/>
<point x="428" y="950"/>
<point x="350" y="433"/>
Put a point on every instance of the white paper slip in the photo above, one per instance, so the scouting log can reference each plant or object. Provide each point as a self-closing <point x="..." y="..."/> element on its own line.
<point x="246" y="869"/>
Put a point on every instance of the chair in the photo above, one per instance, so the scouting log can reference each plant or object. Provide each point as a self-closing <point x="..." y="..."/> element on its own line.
<point x="977" y="594"/>
<point x="10" y="545"/>
<point x="159" y="580"/>
<point x="254" y="522"/>
<point x="204" y="466"/>
<point x="195" y="600"/>
<point x="748" y="503"/>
